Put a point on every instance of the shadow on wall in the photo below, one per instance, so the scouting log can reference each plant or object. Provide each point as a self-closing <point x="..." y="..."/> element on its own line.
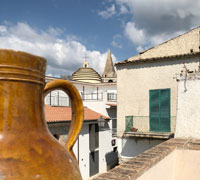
<point x="112" y="159"/>
<point x="133" y="146"/>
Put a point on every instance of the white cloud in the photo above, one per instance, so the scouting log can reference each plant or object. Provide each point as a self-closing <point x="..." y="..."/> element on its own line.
<point x="109" y="12"/>
<point x="123" y="9"/>
<point x="64" y="56"/>
<point x="155" y="21"/>
<point x="143" y="40"/>
<point x="137" y="36"/>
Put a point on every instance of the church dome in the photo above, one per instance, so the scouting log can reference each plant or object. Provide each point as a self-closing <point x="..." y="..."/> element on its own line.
<point x="86" y="74"/>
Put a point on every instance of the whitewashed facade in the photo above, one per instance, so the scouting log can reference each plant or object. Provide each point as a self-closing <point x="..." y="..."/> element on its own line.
<point x="101" y="98"/>
<point x="142" y="81"/>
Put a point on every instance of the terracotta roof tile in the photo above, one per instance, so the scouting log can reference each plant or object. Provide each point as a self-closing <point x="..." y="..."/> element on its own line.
<point x="59" y="113"/>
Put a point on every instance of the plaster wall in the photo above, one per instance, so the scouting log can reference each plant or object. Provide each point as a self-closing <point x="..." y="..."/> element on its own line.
<point x="187" y="165"/>
<point x="164" y="170"/>
<point x="84" y="152"/>
<point x="107" y="156"/>
<point x="131" y="147"/>
<point x="100" y="105"/>
<point x="179" y="164"/>
<point x="135" y="81"/>
<point x="188" y="110"/>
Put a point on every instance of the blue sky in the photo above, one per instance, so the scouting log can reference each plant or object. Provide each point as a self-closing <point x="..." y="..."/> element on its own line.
<point x="63" y="31"/>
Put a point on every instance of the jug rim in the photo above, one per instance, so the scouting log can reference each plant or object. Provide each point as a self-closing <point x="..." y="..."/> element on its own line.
<point x="19" y="65"/>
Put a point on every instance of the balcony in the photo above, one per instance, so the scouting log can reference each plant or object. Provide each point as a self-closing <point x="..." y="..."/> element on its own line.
<point x="92" y="96"/>
<point x="57" y="100"/>
<point x="138" y="126"/>
<point x="112" y="97"/>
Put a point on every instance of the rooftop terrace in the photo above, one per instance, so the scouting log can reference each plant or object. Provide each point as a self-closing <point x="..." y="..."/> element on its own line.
<point x="171" y="160"/>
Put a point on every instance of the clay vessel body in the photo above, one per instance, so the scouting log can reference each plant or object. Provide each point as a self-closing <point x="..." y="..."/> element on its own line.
<point x="27" y="149"/>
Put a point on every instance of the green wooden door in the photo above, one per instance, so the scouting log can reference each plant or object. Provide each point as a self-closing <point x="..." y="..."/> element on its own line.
<point x="159" y="110"/>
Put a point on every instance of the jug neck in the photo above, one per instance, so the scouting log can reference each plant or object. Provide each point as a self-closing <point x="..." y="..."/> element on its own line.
<point x="21" y="107"/>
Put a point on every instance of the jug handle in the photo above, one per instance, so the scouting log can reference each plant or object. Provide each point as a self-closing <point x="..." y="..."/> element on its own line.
<point x="77" y="109"/>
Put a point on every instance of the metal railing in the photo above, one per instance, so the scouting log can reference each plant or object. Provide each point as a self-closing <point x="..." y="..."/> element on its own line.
<point x="57" y="100"/>
<point x="112" y="96"/>
<point x="142" y="124"/>
<point x="92" y="96"/>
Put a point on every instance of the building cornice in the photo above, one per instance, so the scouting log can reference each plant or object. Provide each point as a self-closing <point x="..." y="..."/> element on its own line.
<point x="161" y="58"/>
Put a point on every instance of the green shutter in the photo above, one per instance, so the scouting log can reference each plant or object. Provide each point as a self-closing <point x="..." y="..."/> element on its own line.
<point x="154" y="110"/>
<point x="129" y="123"/>
<point x="159" y="110"/>
<point x="165" y="110"/>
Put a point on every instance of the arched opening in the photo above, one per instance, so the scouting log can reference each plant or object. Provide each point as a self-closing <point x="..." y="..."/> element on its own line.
<point x="110" y="80"/>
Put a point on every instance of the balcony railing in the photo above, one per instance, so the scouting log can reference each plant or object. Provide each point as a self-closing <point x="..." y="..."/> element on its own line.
<point x="142" y="124"/>
<point x="92" y="96"/>
<point x="111" y="96"/>
<point x="57" y="100"/>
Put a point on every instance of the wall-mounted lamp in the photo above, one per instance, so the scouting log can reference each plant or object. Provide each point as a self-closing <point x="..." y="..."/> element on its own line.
<point x="101" y="121"/>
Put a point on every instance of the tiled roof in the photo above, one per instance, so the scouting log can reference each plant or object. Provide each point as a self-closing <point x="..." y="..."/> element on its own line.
<point x="182" y="46"/>
<point x="59" y="113"/>
<point x="159" y="58"/>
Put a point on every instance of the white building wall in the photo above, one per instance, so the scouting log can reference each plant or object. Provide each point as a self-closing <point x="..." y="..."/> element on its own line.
<point x="81" y="150"/>
<point x="81" y="147"/>
<point x="106" y="155"/>
<point x="96" y="105"/>
<point x="58" y="98"/>
<point x="135" y="81"/>
<point x="84" y="152"/>
<point x="188" y="110"/>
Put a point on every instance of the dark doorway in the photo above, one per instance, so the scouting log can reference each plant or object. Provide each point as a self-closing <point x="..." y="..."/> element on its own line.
<point x="94" y="162"/>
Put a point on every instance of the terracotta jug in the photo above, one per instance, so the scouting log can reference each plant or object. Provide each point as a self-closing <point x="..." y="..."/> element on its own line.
<point x="27" y="149"/>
